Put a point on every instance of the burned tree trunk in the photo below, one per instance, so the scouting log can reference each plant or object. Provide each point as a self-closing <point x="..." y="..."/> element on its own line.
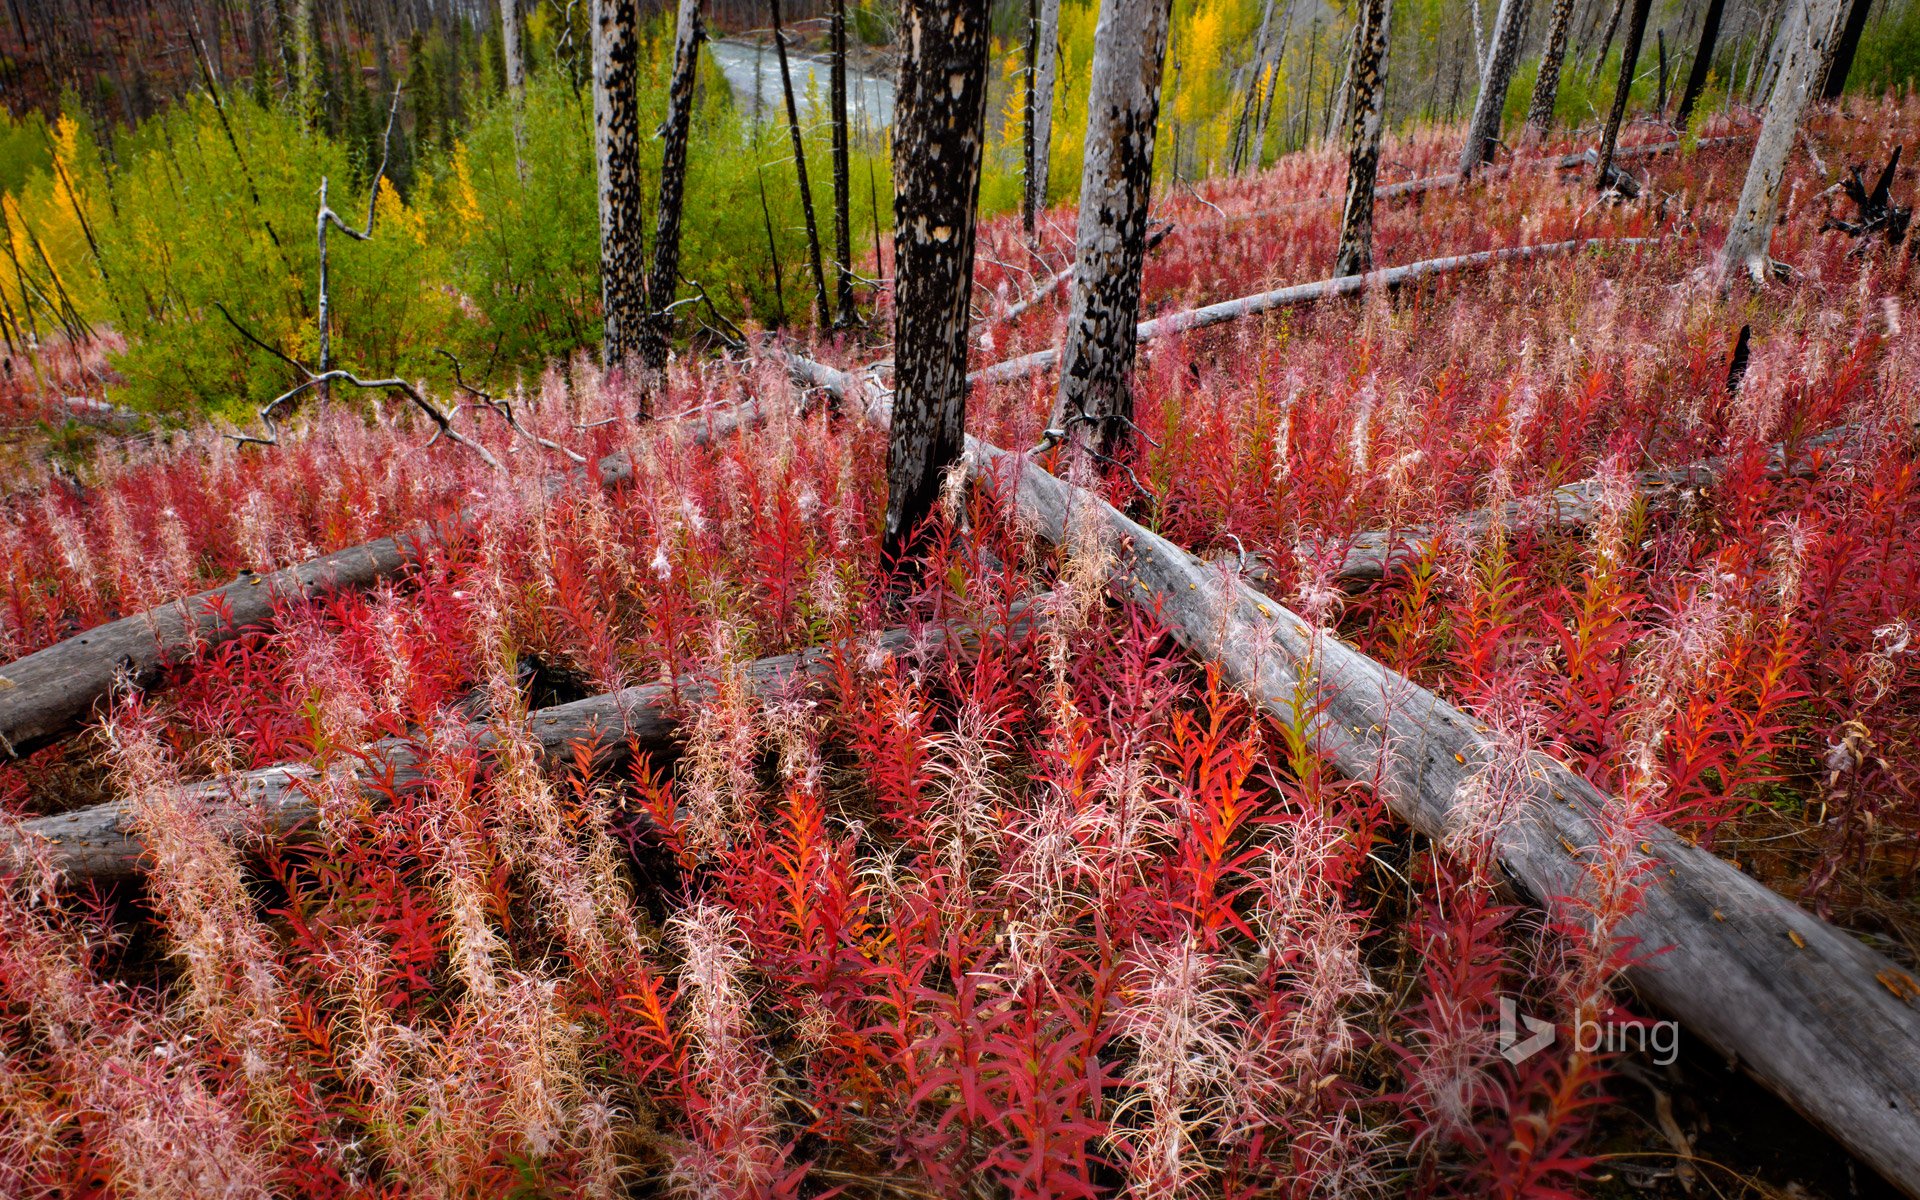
<point x="800" y="167"/>
<point x="843" y="314"/>
<point x="1483" y="131"/>
<point x="1270" y="74"/>
<point x="1095" y="401"/>
<point x="1043" y="56"/>
<point x="939" y="129"/>
<point x="616" y="146"/>
<point x="1546" y="86"/>
<point x="1702" y="63"/>
<point x="1844" y="50"/>
<point x="1629" y="59"/>
<point x="664" y="279"/>
<point x="1804" y="40"/>
<point x="1355" y="256"/>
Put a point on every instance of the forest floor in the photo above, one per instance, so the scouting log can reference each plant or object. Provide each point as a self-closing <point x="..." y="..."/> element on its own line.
<point x="1042" y="908"/>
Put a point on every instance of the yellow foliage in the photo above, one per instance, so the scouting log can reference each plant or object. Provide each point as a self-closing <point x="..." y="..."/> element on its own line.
<point x="465" y="201"/>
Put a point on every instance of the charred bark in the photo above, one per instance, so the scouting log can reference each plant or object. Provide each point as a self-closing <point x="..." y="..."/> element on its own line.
<point x="1629" y="59"/>
<point x="1370" y="33"/>
<point x="1546" y="86"/>
<point x="1095" y="401"/>
<point x="1844" y="50"/>
<point x="844" y="316"/>
<point x="1804" y="40"/>
<point x="800" y="168"/>
<point x="939" y="130"/>
<point x="616" y="144"/>
<point x="664" y="278"/>
<point x="1043" y="58"/>
<point x="1483" y="130"/>
<point x="1702" y="65"/>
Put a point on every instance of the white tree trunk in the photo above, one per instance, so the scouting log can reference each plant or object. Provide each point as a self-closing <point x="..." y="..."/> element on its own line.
<point x="1123" y="111"/>
<point x="1483" y="132"/>
<point x="1803" y="44"/>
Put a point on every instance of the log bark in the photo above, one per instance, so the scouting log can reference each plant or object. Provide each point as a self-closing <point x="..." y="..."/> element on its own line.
<point x="1367" y="112"/>
<point x="1043" y="62"/>
<point x="1808" y="32"/>
<point x="1814" y="1015"/>
<point x="1844" y="49"/>
<point x="52" y="692"/>
<point x="97" y="842"/>
<point x="1483" y="130"/>
<point x="939" y="131"/>
<point x="663" y="280"/>
<point x="1095" y="400"/>
<point x="1300" y="293"/>
<point x="1702" y="65"/>
<point x="1629" y="60"/>
<point x="800" y="168"/>
<point x="616" y="145"/>
<point x="1546" y="85"/>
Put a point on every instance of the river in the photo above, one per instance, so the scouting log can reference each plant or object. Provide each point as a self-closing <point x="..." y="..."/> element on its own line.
<point x="753" y="72"/>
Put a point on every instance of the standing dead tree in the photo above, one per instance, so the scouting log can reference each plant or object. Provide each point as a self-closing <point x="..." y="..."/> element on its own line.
<point x="1841" y="63"/>
<point x="1483" y="130"/>
<point x="844" y="316"/>
<point x="1095" y="400"/>
<point x="616" y="145"/>
<point x="516" y="79"/>
<point x="1043" y="57"/>
<point x="664" y="278"/>
<point x="1702" y="64"/>
<point x="1804" y="40"/>
<point x="1604" y="170"/>
<point x="939" y="134"/>
<point x="1370" y="33"/>
<point x="800" y="167"/>
<point x="1546" y="85"/>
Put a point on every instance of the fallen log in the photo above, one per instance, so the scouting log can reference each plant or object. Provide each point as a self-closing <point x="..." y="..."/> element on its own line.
<point x="50" y="693"/>
<point x="1814" y="1015"/>
<point x="96" y="842"/>
<point x="1302" y="293"/>
<point x="1371" y="554"/>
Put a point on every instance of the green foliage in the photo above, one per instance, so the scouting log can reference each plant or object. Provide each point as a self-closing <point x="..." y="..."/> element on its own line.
<point x="186" y="226"/>
<point x="1889" y="54"/>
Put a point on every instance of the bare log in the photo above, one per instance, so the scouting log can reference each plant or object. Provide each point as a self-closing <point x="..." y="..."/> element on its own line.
<point x="52" y="692"/>
<point x="1300" y="293"/>
<point x="97" y="842"/>
<point x="1814" y="1015"/>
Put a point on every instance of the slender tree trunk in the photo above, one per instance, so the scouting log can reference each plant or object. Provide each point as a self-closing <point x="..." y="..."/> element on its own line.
<point x="1629" y="59"/>
<point x="800" y="169"/>
<point x="1546" y="87"/>
<point x="844" y="316"/>
<point x="1095" y="401"/>
<point x="1606" y="39"/>
<point x="1702" y="63"/>
<point x="940" y="110"/>
<point x="1270" y="76"/>
<point x="1367" y="110"/>
<point x="1483" y="130"/>
<point x="1808" y="33"/>
<point x="664" y="278"/>
<point x="1043" y="62"/>
<point x="616" y="145"/>
<point x="1256" y="79"/>
<point x="516" y="81"/>
<point x="306" y="95"/>
<point x="1844" y="49"/>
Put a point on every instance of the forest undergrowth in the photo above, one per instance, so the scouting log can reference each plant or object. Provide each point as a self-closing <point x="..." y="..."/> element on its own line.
<point x="1043" y="909"/>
